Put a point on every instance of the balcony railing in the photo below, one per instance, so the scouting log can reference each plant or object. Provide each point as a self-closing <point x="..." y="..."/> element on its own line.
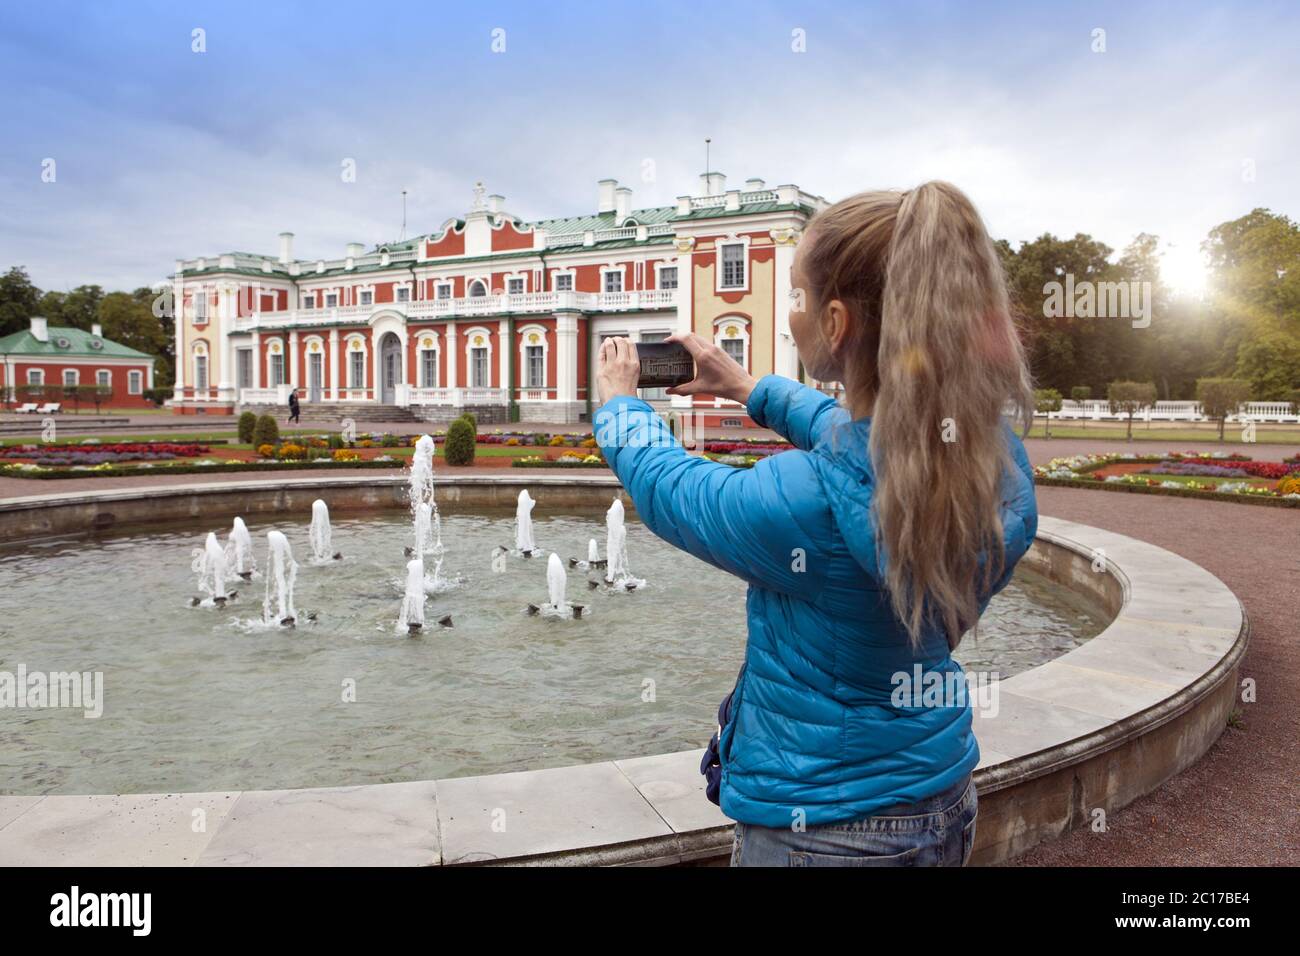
<point x="457" y="397"/>
<point x="525" y="302"/>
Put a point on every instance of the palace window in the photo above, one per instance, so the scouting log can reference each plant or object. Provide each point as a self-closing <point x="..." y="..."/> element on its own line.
<point x="104" y="378"/>
<point x="478" y="368"/>
<point x="735" y="348"/>
<point x="536" y="367"/>
<point x="357" y="369"/>
<point x="443" y="290"/>
<point x="200" y="308"/>
<point x="70" y="376"/>
<point x="612" y="281"/>
<point x="515" y="286"/>
<point x="309" y="302"/>
<point x="331" y="300"/>
<point x="367" y="297"/>
<point x="276" y="374"/>
<point x="428" y="368"/>
<point x="36" y="376"/>
<point x="477" y="289"/>
<point x="732" y="258"/>
<point x="244" y="367"/>
<point x="403" y="294"/>
<point x="201" y="373"/>
<point x="135" y="382"/>
<point x="668" y="277"/>
<point x="564" y="282"/>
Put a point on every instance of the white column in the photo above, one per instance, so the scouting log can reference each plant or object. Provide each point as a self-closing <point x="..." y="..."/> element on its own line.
<point x="683" y="301"/>
<point x="452" y="347"/>
<point x="257" y="359"/>
<point x="785" y="360"/>
<point x="333" y="375"/>
<point x="178" y="315"/>
<point x="503" y="360"/>
<point x="291" y="360"/>
<point x="226" y="305"/>
<point x="566" y="357"/>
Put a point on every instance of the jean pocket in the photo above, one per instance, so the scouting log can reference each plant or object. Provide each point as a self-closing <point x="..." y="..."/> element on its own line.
<point x="806" y="858"/>
<point x="967" y="840"/>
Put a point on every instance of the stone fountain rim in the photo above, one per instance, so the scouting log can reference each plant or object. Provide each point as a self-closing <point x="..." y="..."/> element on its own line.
<point x="652" y="809"/>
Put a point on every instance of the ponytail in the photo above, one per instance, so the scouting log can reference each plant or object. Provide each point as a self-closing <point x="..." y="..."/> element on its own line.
<point x="936" y="357"/>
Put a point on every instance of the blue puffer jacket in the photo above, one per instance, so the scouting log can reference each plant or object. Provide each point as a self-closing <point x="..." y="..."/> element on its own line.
<point x="812" y="727"/>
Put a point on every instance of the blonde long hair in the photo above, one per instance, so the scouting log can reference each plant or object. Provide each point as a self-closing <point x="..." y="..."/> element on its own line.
<point x="933" y="355"/>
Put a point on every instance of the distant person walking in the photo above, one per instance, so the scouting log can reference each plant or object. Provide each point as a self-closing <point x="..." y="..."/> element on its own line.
<point x="294" y="408"/>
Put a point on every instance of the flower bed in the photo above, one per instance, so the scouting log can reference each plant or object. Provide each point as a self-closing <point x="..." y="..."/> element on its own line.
<point x="748" y="447"/>
<point x="95" y="453"/>
<point x="1081" y="471"/>
<point x="110" y="470"/>
<point x="564" y="461"/>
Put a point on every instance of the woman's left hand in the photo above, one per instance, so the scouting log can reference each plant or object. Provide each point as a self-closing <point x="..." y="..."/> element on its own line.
<point x="619" y="369"/>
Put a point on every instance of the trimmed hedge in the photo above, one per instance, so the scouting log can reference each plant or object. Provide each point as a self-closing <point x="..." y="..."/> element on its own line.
<point x="520" y="463"/>
<point x="458" y="449"/>
<point x="247" y="427"/>
<point x="267" y="432"/>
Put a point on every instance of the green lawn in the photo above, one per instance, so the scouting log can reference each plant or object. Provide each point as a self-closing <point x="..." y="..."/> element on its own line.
<point x="1264" y="434"/>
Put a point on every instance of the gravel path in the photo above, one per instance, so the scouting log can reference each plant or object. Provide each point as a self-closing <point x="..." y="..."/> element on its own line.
<point x="1240" y="804"/>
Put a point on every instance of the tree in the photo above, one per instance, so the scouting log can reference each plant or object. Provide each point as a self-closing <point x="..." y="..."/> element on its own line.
<point x="1129" y="398"/>
<point x="129" y="320"/>
<point x="1270" y="362"/>
<point x="1221" y="397"/>
<point x="1047" y="400"/>
<point x="19" y="301"/>
<point x="1081" y="394"/>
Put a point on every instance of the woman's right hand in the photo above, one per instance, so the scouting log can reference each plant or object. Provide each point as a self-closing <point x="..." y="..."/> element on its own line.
<point x="716" y="372"/>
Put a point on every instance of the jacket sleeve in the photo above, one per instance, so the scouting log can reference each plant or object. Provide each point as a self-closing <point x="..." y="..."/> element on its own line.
<point x="794" y="411"/>
<point x="760" y="524"/>
<point x="1019" y="513"/>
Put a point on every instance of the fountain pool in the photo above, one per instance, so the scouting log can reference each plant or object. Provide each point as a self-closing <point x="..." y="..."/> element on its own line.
<point x="212" y="698"/>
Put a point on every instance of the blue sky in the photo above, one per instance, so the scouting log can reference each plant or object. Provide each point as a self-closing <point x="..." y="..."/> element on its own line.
<point x="164" y="153"/>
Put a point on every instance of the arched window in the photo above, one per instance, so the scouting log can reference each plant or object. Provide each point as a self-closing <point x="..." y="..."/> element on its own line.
<point x="477" y="289"/>
<point x="428" y="355"/>
<point x="532" y="355"/>
<point x="478" y="357"/>
<point x="731" y="334"/>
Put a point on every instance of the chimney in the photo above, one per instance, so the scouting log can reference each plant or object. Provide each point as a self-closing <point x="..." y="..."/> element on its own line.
<point x="286" y="248"/>
<point x="605" y="196"/>
<point x="713" y="184"/>
<point x="356" y="249"/>
<point x="754" y="185"/>
<point x="496" y="203"/>
<point x="40" y="329"/>
<point x="622" y="204"/>
<point x="97" y="330"/>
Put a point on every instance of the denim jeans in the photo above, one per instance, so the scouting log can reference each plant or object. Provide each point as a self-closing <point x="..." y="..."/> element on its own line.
<point x="937" y="831"/>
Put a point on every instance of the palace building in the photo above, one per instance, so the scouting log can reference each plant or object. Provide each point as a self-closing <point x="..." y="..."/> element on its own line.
<point x="47" y="364"/>
<point x="493" y="314"/>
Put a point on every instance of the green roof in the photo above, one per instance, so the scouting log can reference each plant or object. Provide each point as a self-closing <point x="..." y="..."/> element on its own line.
<point x="78" y="343"/>
<point x="603" y="220"/>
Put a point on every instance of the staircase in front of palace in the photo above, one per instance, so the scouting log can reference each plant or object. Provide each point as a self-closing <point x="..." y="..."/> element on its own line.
<point x="335" y="412"/>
